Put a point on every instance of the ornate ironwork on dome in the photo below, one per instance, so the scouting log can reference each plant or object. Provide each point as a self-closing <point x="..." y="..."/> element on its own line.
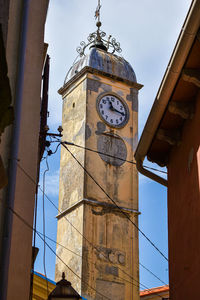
<point x="98" y="39"/>
<point x="101" y="55"/>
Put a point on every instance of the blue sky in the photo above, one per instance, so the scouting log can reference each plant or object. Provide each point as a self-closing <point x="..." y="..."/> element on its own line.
<point x="147" y="31"/>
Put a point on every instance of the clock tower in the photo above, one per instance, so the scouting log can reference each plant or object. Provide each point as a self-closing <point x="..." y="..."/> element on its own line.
<point x="98" y="191"/>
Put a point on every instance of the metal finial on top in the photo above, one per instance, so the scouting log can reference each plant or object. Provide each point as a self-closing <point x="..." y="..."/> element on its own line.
<point x="63" y="275"/>
<point x="97" y="12"/>
<point x="96" y="39"/>
<point x="97" y="16"/>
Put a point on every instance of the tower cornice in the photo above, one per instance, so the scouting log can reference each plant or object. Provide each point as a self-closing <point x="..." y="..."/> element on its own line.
<point x="108" y="208"/>
<point x="91" y="70"/>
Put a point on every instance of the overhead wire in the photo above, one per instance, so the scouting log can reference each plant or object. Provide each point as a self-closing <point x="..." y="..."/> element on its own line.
<point x="59" y="244"/>
<point x="93" y="246"/>
<point x="30" y="227"/>
<point x="102" y="153"/>
<point x="139" y="283"/>
<point x="69" y="143"/>
<point x="49" y="152"/>
<point x="34" y="242"/>
<point x="111" y="156"/>
<point x="73" y="271"/>
<point x="84" y="258"/>
<point x="152" y="273"/>
<point x="55" y="150"/>
<point x="43" y="216"/>
<point x="46" y="237"/>
<point x="103" y="190"/>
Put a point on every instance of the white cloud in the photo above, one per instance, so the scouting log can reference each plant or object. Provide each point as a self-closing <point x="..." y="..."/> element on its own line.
<point x="51" y="183"/>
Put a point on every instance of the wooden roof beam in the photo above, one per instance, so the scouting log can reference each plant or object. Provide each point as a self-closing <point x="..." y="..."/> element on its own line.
<point x="172" y="137"/>
<point x="162" y="162"/>
<point x="184" y="109"/>
<point x="191" y="75"/>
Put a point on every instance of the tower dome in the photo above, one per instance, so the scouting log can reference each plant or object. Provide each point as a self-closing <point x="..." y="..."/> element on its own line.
<point x="103" y="61"/>
<point x="99" y="57"/>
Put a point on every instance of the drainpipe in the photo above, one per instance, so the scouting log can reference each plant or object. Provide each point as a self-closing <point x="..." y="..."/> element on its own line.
<point x="12" y="172"/>
<point x="151" y="175"/>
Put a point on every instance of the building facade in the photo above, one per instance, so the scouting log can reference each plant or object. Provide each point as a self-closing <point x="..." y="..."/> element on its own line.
<point x="98" y="191"/>
<point x="22" y="23"/>
<point x="171" y="138"/>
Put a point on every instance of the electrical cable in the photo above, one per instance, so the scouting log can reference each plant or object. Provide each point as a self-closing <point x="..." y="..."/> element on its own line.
<point x="68" y="143"/>
<point x="43" y="215"/>
<point x="152" y="273"/>
<point x="84" y="258"/>
<point x="139" y="283"/>
<point x="72" y="270"/>
<point x="56" y="148"/>
<point x="143" y="234"/>
<point x="49" y="152"/>
<point x="42" y="238"/>
<point x="111" y="156"/>
<point x="93" y="246"/>
<point x="34" y="242"/>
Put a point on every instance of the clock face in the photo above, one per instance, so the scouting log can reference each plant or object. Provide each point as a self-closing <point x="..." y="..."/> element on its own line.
<point x="113" y="110"/>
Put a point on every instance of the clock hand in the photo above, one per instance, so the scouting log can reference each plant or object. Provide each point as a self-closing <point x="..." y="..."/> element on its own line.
<point x="120" y="112"/>
<point x="111" y="106"/>
<point x="114" y="109"/>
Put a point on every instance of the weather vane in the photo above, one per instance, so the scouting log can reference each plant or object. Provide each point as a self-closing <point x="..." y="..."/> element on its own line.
<point x="96" y="39"/>
<point x="97" y="12"/>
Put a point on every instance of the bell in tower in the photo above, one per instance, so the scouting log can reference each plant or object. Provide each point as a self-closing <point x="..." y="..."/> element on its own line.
<point x="98" y="190"/>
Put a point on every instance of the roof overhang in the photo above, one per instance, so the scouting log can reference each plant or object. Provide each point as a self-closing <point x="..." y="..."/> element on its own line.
<point x="158" y="291"/>
<point x="174" y="101"/>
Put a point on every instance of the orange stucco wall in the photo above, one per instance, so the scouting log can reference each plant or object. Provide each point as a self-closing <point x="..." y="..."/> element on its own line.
<point x="184" y="212"/>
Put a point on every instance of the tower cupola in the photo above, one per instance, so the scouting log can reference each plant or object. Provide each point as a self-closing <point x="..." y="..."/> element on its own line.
<point x="101" y="56"/>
